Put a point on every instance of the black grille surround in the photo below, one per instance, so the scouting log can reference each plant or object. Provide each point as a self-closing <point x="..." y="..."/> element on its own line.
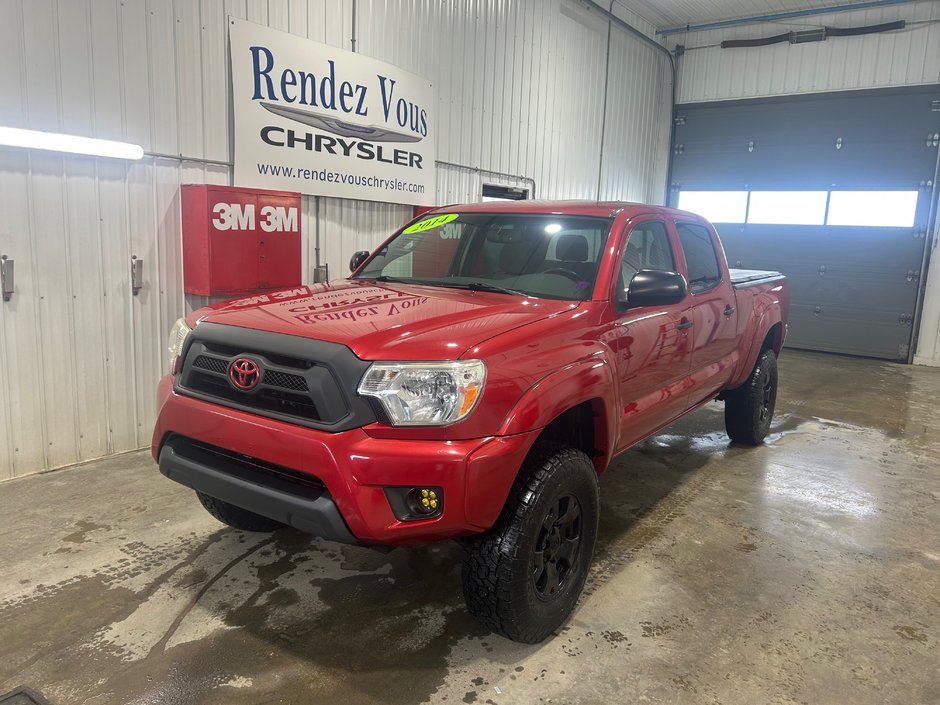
<point x="303" y="381"/>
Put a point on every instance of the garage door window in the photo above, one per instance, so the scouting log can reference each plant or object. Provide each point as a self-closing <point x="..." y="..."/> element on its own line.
<point x="700" y="257"/>
<point x="886" y="209"/>
<point x="787" y="208"/>
<point x="716" y="206"/>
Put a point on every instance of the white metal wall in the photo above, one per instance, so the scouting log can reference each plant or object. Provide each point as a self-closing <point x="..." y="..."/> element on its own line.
<point x="520" y="90"/>
<point x="907" y="57"/>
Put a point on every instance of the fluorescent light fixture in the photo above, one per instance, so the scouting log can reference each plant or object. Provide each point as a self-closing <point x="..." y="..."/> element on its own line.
<point x="73" y="144"/>
<point x="553" y="228"/>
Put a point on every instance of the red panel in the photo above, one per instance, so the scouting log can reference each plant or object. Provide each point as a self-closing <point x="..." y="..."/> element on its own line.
<point x="279" y="241"/>
<point x="195" y="239"/>
<point x="238" y="241"/>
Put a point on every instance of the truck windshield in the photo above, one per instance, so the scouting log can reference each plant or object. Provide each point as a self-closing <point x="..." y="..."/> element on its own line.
<point x="540" y="255"/>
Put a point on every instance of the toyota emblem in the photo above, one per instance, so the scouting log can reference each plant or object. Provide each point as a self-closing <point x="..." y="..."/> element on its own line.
<point x="244" y="373"/>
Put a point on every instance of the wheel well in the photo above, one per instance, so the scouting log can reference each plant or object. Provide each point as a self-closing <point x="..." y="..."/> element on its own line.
<point x="581" y="427"/>
<point x="774" y="339"/>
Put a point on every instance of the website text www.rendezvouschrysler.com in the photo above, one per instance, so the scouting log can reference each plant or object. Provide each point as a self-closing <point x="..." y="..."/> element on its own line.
<point x="331" y="176"/>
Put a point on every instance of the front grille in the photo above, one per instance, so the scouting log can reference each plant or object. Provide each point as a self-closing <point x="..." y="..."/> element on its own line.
<point x="212" y="364"/>
<point x="303" y="381"/>
<point x="265" y="398"/>
<point x="285" y="380"/>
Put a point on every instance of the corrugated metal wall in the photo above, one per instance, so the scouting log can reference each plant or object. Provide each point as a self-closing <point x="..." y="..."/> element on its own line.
<point x="520" y="91"/>
<point x="908" y="57"/>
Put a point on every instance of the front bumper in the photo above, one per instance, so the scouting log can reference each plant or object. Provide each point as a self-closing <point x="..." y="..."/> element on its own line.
<point x="353" y="467"/>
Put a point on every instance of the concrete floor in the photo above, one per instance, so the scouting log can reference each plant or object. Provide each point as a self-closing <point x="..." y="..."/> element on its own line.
<point x="804" y="571"/>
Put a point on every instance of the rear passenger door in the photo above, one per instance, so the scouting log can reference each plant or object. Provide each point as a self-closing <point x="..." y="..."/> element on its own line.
<point x="651" y="343"/>
<point x="714" y="322"/>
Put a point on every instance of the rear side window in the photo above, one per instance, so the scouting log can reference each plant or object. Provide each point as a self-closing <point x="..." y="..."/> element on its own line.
<point x="700" y="257"/>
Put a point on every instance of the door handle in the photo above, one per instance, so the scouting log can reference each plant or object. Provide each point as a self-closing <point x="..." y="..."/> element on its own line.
<point x="137" y="275"/>
<point x="684" y="325"/>
<point x="729" y="309"/>
<point x="6" y="277"/>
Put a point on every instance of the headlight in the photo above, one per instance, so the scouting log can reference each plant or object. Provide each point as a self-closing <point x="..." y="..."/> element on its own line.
<point x="425" y="393"/>
<point x="178" y="334"/>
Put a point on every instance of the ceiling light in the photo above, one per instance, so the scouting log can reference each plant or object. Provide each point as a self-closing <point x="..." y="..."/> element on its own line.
<point x="73" y="144"/>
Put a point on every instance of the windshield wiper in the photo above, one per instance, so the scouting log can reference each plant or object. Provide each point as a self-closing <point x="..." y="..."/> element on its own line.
<point x="482" y="286"/>
<point x="472" y="286"/>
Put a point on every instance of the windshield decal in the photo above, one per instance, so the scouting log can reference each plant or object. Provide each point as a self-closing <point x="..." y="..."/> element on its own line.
<point x="429" y="223"/>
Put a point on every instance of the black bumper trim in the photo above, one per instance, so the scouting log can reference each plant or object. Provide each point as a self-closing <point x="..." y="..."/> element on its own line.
<point x="318" y="516"/>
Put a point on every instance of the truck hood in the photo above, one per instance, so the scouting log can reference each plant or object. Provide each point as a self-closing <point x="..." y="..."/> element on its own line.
<point x="380" y="321"/>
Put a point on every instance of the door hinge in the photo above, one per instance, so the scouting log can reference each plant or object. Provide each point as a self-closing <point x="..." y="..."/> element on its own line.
<point x="679" y="149"/>
<point x="912" y="275"/>
<point x="680" y="120"/>
<point x="933" y="139"/>
<point x="906" y="319"/>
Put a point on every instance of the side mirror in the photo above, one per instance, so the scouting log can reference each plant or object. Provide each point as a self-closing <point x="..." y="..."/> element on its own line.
<point x="654" y="287"/>
<point x="357" y="259"/>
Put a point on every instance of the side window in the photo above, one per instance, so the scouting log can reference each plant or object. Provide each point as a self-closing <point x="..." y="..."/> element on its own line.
<point x="700" y="256"/>
<point x="647" y="248"/>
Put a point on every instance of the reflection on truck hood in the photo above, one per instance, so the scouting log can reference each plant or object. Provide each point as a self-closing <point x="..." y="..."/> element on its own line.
<point x="386" y="321"/>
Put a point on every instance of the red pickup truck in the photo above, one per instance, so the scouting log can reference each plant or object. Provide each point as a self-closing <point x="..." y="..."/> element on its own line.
<point x="471" y="379"/>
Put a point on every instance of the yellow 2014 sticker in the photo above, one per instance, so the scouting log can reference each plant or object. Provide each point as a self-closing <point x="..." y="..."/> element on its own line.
<point x="429" y="223"/>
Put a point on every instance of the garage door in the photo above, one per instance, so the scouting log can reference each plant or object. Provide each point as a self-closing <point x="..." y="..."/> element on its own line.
<point x="833" y="190"/>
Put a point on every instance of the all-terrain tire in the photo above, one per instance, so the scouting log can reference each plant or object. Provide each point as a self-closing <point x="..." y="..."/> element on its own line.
<point x="237" y="517"/>
<point x="523" y="577"/>
<point x="749" y="409"/>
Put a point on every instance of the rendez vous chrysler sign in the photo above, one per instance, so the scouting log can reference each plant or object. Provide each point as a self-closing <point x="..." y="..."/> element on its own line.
<point x="323" y="121"/>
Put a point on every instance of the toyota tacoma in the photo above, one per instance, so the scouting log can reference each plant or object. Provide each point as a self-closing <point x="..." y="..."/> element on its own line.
<point x="471" y="379"/>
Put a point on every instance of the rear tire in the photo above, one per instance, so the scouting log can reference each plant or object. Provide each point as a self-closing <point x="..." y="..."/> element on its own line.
<point x="236" y="517"/>
<point x="523" y="577"/>
<point x="749" y="409"/>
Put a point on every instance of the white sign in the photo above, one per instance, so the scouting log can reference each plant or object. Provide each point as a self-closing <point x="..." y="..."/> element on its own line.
<point x="328" y="122"/>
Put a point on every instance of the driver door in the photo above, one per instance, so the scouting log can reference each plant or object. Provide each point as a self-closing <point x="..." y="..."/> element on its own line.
<point x="650" y="343"/>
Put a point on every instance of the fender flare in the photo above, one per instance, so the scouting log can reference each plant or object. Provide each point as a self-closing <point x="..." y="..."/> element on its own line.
<point x="770" y="317"/>
<point x="565" y="388"/>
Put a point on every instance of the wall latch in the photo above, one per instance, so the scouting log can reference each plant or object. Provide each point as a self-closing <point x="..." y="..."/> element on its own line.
<point x="137" y="274"/>
<point x="6" y="277"/>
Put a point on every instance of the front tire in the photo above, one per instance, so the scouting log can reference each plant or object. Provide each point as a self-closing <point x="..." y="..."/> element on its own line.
<point x="236" y="517"/>
<point x="749" y="409"/>
<point x="523" y="577"/>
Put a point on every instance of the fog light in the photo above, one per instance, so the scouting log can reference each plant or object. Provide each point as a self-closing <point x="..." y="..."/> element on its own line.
<point x="423" y="500"/>
<point x="413" y="503"/>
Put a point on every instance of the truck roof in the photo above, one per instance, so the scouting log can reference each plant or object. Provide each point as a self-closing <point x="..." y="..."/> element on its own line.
<point x="571" y="207"/>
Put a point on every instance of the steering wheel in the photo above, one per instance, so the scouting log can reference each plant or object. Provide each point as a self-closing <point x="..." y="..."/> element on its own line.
<point x="573" y="276"/>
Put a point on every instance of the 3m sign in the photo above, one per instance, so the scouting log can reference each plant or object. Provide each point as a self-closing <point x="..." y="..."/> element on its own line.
<point x="237" y="216"/>
<point x="238" y="240"/>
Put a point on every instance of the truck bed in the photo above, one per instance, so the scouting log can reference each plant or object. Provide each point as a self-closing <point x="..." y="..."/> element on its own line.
<point x="741" y="278"/>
